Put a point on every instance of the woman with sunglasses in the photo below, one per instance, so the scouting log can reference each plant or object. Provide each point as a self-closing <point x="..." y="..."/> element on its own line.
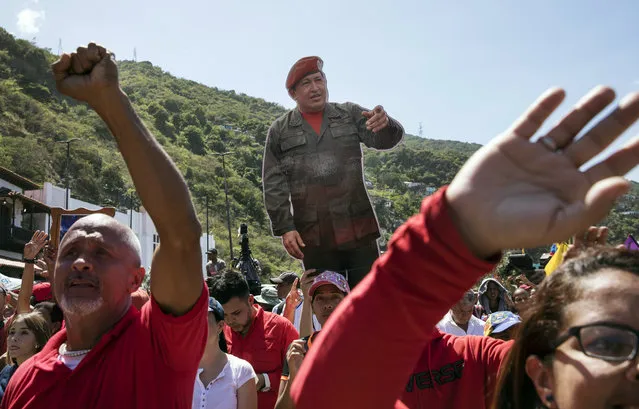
<point x="577" y="345"/>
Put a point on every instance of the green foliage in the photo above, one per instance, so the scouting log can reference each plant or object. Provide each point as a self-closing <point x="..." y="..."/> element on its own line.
<point x="193" y="122"/>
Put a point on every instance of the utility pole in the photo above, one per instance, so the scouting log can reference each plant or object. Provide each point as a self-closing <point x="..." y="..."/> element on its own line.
<point x="228" y="209"/>
<point x="59" y="47"/>
<point x="131" y="210"/>
<point x="207" y="223"/>
<point x="135" y="55"/>
<point x="66" y="170"/>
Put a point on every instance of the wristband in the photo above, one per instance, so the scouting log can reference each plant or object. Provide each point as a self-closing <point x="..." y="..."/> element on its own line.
<point x="267" y="383"/>
<point x="29" y="260"/>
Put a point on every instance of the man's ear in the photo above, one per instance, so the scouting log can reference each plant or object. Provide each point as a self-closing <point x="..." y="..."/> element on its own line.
<point x="292" y="94"/>
<point x="251" y="299"/>
<point x="136" y="279"/>
<point x="542" y="377"/>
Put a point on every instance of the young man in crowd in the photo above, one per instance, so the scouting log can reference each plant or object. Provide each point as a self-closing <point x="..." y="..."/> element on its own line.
<point x="110" y="355"/>
<point x="285" y="283"/>
<point x="259" y="337"/>
<point x="324" y="292"/>
<point x="214" y="265"/>
<point x="508" y="195"/>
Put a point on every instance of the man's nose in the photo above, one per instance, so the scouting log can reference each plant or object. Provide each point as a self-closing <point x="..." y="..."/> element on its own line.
<point x="82" y="263"/>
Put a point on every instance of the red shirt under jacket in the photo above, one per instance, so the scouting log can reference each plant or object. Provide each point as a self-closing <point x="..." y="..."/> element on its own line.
<point x="426" y="269"/>
<point x="264" y="347"/>
<point x="147" y="360"/>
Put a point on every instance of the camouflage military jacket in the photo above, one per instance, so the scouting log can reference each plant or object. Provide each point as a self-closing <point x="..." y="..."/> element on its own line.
<point x="314" y="183"/>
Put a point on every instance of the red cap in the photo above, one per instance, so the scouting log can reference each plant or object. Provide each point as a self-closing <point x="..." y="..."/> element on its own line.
<point x="302" y="68"/>
<point x="139" y="298"/>
<point x="42" y="292"/>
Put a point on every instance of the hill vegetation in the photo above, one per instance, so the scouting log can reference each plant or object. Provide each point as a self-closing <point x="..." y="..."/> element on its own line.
<point x="196" y="123"/>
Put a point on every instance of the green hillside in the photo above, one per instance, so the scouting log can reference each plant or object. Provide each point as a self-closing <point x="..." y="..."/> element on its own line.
<point x="194" y="122"/>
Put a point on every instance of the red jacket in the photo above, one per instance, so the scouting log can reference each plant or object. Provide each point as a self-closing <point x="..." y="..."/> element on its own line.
<point x="264" y="347"/>
<point x="355" y="363"/>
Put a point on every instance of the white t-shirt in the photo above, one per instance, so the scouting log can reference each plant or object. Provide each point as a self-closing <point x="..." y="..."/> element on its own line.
<point x="221" y="392"/>
<point x="448" y="325"/>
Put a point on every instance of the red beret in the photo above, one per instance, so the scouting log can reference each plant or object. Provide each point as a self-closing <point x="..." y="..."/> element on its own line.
<point x="302" y="68"/>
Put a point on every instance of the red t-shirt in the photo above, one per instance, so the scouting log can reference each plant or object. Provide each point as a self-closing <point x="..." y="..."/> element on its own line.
<point x="455" y="372"/>
<point x="264" y="347"/>
<point x="314" y="119"/>
<point x="426" y="269"/>
<point x="147" y="360"/>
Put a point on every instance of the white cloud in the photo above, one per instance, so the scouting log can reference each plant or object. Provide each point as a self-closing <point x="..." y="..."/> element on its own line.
<point x="29" y="21"/>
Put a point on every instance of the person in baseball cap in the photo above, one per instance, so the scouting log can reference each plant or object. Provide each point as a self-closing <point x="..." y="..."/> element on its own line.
<point x="325" y="291"/>
<point x="502" y="325"/>
<point x="284" y="283"/>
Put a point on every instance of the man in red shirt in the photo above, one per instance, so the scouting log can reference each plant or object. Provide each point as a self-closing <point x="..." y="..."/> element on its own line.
<point x="513" y="193"/>
<point x="259" y="337"/>
<point x="110" y="355"/>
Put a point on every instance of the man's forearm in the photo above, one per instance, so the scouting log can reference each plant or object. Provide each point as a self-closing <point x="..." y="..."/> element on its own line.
<point x="284" y="400"/>
<point x="158" y="182"/>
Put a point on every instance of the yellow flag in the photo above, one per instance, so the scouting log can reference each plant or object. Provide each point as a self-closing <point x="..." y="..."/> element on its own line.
<point x="557" y="258"/>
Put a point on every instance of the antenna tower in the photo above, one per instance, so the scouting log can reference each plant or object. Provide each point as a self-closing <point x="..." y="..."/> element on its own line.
<point x="421" y="130"/>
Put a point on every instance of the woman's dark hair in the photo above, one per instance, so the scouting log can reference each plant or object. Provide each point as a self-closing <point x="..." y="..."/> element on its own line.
<point x="544" y="318"/>
<point x="36" y="323"/>
<point x="222" y="339"/>
<point x="55" y="313"/>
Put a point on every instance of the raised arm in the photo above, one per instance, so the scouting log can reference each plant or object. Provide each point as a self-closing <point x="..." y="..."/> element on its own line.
<point x="91" y="75"/>
<point x="31" y="250"/>
<point x="512" y="193"/>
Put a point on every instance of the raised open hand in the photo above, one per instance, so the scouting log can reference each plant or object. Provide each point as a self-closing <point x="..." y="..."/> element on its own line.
<point x="86" y="74"/>
<point x="33" y="247"/>
<point x="516" y="193"/>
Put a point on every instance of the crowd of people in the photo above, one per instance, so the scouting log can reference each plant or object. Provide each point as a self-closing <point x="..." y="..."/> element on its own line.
<point x="415" y="331"/>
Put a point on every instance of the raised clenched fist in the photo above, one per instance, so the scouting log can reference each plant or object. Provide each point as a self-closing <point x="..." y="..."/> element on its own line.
<point x="87" y="74"/>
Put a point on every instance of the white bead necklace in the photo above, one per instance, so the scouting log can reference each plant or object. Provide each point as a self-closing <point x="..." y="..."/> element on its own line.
<point x="63" y="351"/>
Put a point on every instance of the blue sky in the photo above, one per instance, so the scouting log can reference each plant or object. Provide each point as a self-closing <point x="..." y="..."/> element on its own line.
<point x="464" y="69"/>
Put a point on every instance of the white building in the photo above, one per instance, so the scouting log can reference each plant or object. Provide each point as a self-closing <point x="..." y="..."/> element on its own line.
<point x="26" y="207"/>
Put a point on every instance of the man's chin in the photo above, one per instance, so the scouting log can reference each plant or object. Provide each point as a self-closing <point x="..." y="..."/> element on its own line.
<point x="80" y="306"/>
